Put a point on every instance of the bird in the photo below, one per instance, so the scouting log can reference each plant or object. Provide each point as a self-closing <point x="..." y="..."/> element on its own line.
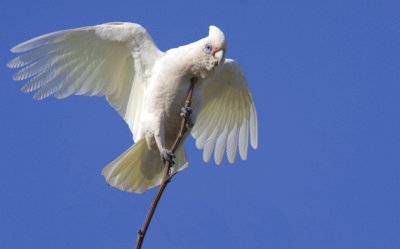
<point x="147" y="87"/>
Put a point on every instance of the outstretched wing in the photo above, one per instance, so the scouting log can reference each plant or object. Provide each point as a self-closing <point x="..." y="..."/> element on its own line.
<point x="112" y="60"/>
<point x="227" y="115"/>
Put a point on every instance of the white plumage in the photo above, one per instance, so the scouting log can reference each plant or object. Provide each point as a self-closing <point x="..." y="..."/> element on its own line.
<point x="147" y="87"/>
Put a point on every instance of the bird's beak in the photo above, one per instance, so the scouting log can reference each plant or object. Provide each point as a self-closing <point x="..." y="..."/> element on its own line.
<point x="218" y="54"/>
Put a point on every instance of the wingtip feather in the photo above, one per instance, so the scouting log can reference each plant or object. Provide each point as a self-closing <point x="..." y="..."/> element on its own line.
<point x="253" y="127"/>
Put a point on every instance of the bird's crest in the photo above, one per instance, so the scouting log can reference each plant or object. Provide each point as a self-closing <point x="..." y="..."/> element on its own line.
<point x="215" y="33"/>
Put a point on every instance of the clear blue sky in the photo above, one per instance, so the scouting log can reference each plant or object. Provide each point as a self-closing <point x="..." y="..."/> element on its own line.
<point x="326" y="81"/>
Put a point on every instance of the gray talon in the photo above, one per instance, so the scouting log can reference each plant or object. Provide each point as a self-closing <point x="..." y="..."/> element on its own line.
<point x="185" y="112"/>
<point x="167" y="155"/>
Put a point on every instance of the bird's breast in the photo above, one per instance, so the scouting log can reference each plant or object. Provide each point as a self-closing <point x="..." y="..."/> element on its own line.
<point x="165" y="97"/>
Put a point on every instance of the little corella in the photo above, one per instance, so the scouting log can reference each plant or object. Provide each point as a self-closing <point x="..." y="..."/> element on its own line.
<point x="148" y="88"/>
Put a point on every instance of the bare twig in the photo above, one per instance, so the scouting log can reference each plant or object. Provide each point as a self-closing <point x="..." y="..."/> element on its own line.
<point x="167" y="170"/>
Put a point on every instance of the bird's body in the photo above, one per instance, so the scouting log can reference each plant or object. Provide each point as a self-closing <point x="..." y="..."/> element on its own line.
<point x="164" y="99"/>
<point x="148" y="88"/>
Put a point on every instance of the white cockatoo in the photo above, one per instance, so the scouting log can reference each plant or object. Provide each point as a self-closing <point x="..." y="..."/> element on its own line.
<point x="148" y="88"/>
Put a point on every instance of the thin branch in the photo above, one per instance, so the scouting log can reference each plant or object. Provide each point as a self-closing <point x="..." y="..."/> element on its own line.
<point x="167" y="170"/>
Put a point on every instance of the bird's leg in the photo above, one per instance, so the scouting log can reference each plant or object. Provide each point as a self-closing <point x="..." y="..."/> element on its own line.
<point x="159" y="136"/>
<point x="185" y="113"/>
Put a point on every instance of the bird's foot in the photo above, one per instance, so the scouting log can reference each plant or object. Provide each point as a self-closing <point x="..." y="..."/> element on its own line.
<point x="185" y="113"/>
<point x="167" y="155"/>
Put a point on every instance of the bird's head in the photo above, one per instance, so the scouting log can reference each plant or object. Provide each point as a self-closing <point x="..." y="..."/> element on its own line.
<point x="212" y="49"/>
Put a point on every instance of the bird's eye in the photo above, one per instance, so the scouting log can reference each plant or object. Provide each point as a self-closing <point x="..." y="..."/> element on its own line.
<point x="208" y="48"/>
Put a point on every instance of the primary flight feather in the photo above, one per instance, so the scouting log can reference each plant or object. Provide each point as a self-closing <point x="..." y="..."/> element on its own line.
<point x="147" y="87"/>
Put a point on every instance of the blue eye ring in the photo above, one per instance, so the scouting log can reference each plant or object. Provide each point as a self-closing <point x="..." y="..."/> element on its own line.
<point x="208" y="48"/>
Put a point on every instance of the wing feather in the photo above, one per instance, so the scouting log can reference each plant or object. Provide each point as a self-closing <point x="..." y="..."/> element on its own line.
<point x="243" y="140"/>
<point x="232" y="144"/>
<point x="253" y="127"/>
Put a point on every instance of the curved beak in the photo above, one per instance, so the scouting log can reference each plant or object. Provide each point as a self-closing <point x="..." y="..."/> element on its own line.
<point x="218" y="54"/>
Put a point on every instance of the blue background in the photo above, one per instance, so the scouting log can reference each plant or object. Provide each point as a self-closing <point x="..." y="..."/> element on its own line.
<point x="325" y="79"/>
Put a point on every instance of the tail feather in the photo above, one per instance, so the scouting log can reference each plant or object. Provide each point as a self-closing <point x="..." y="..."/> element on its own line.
<point x="181" y="161"/>
<point x="139" y="169"/>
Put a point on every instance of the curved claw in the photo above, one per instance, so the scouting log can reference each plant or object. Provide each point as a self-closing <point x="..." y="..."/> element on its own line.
<point x="167" y="155"/>
<point x="185" y="112"/>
